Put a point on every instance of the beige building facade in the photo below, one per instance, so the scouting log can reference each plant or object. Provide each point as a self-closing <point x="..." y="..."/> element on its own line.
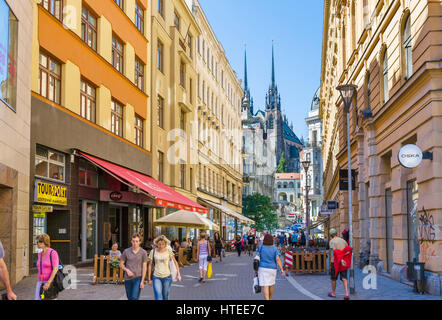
<point x="218" y="131"/>
<point x="391" y="51"/>
<point x="15" y="121"/>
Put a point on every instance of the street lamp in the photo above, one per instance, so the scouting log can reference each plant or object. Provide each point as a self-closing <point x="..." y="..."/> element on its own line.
<point x="347" y="92"/>
<point x="306" y="164"/>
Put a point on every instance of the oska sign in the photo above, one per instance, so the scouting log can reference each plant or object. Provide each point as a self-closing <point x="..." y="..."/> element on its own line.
<point x="410" y="156"/>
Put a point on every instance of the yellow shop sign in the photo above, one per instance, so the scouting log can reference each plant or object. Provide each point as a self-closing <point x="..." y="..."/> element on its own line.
<point x="46" y="192"/>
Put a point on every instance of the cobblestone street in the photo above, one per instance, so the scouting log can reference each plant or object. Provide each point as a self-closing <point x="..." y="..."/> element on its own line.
<point x="232" y="280"/>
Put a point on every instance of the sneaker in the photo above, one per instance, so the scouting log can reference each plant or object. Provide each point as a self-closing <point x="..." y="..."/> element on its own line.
<point x="201" y="279"/>
<point x="331" y="295"/>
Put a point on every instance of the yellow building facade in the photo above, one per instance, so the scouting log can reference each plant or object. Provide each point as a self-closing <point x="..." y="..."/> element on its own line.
<point x="391" y="51"/>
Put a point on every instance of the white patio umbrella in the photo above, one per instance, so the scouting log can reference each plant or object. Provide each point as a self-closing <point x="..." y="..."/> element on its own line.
<point x="186" y="219"/>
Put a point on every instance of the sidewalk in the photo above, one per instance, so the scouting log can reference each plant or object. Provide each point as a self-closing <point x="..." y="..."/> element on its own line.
<point x="232" y="280"/>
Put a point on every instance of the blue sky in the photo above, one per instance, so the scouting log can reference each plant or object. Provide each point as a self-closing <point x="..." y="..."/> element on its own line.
<point x="296" y="28"/>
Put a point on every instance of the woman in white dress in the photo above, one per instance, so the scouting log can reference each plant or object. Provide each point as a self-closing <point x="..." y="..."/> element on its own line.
<point x="269" y="260"/>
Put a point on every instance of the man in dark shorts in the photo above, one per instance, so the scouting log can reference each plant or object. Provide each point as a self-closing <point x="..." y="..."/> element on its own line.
<point x="251" y="244"/>
<point x="337" y="243"/>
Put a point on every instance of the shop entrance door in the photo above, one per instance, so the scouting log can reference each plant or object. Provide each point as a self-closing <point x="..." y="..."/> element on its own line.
<point x="115" y="220"/>
<point x="88" y="230"/>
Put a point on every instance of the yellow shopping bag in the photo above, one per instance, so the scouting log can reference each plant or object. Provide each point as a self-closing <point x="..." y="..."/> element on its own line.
<point x="209" y="270"/>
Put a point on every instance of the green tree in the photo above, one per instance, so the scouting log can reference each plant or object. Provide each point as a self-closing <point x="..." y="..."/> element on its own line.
<point x="259" y="208"/>
<point x="282" y="165"/>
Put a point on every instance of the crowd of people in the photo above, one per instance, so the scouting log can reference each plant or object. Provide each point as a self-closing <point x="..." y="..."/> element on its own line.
<point x="158" y="261"/>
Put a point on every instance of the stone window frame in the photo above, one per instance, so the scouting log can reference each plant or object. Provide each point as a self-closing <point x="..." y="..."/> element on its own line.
<point x="50" y="161"/>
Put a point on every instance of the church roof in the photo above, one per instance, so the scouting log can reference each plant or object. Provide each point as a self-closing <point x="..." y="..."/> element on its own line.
<point x="289" y="134"/>
<point x="315" y="100"/>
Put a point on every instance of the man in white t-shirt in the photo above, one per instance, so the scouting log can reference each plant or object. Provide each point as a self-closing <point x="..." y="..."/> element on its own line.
<point x="4" y="275"/>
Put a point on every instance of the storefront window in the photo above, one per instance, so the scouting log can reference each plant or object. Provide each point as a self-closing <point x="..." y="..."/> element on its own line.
<point x="8" y="55"/>
<point x="87" y="174"/>
<point x="49" y="164"/>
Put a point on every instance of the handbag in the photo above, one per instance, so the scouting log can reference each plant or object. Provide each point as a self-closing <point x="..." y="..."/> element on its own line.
<point x="209" y="257"/>
<point x="223" y="252"/>
<point x="256" y="286"/>
<point x="173" y="270"/>
<point x="60" y="276"/>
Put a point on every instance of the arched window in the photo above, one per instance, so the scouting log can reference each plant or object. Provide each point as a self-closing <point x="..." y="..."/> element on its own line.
<point x="291" y="198"/>
<point x="385" y="76"/>
<point x="291" y="185"/>
<point x="407" y="49"/>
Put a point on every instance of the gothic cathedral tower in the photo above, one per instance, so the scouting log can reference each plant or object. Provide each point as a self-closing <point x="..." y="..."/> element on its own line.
<point x="273" y="116"/>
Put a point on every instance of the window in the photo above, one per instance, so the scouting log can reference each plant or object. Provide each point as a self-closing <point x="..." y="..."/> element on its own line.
<point x="117" y="54"/>
<point x="160" y="166"/>
<point x="189" y="44"/>
<point x="139" y="74"/>
<point x="49" y="164"/>
<point x="87" y="100"/>
<point x="204" y="50"/>
<point x="182" y="175"/>
<point x="191" y="90"/>
<point x="161" y="7"/>
<point x="139" y="17"/>
<point x="55" y="7"/>
<point x="117" y="118"/>
<point x="160" y="121"/>
<point x="49" y="80"/>
<point x="120" y="3"/>
<point x="160" y="51"/>
<point x="87" y="174"/>
<point x="182" y="74"/>
<point x="385" y="76"/>
<point x="8" y="56"/>
<point x="139" y="131"/>
<point x="407" y="49"/>
<point x="182" y="120"/>
<point x="89" y="28"/>
<point x="176" y="21"/>
<point x="198" y="86"/>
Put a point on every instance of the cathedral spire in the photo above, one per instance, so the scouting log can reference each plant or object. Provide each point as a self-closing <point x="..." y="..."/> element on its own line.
<point x="273" y="68"/>
<point x="245" y="69"/>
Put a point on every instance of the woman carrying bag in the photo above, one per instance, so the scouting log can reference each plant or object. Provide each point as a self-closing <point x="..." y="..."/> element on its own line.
<point x="267" y="268"/>
<point x="45" y="288"/>
<point x="159" y="270"/>
<point x="204" y="256"/>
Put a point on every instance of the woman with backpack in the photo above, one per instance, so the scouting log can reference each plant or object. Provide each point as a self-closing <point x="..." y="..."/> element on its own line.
<point x="203" y="252"/>
<point x="269" y="260"/>
<point x="47" y="266"/>
<point x="158" y="273"/>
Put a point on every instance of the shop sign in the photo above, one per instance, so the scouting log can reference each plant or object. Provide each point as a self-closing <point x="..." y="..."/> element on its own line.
<point x="410" y="156"/>
<point x="41" y="209"/>
<point x="46" y="192"/>
<point x="116" y="196"/>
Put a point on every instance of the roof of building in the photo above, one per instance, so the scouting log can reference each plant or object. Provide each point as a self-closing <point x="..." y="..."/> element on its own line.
<point x="289" y="134"/>
<point x="288" y="176"/>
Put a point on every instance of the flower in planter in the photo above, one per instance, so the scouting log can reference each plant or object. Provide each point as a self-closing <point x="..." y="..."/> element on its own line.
<point x="115" y="263"/>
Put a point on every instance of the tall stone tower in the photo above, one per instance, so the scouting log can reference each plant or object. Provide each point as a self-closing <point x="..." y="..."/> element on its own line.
<point x="273" y="116"/>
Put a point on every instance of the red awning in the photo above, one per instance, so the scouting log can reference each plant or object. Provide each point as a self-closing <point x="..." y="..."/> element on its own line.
<point x="164" y="195"/>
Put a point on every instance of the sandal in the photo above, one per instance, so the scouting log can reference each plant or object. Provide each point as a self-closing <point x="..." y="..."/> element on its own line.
<point x="331" y="295"/>
<point x="347" y="298"/>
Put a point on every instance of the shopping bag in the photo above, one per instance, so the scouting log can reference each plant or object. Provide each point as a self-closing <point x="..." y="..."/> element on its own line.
<point x="223" y="253"/>
<point x="173" y="270"/>
<point x="209" y="270"/>
<point x="256" y="288"/>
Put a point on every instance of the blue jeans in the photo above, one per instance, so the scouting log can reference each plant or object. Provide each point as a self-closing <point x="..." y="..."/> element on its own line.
<point x="161" y="287"/>
<point x="133" y="288"/>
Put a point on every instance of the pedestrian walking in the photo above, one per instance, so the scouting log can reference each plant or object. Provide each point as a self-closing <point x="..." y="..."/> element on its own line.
<point x="338" y="244"/>
<point x="218" y="246"/>
<point x="302" y="240"/>
<point x="238" y="244"/>
<point x="294" y="239"/>
<point x="4" y="275"/>
<point x="47" y="267"/>
<point x="203" y="252"/>
<point x="159" y="271"/>
<point x="281" y="239"/>
<point x="133" y="262"/>
<point x="269" y="260"/>
<point x="250" y="243"/>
